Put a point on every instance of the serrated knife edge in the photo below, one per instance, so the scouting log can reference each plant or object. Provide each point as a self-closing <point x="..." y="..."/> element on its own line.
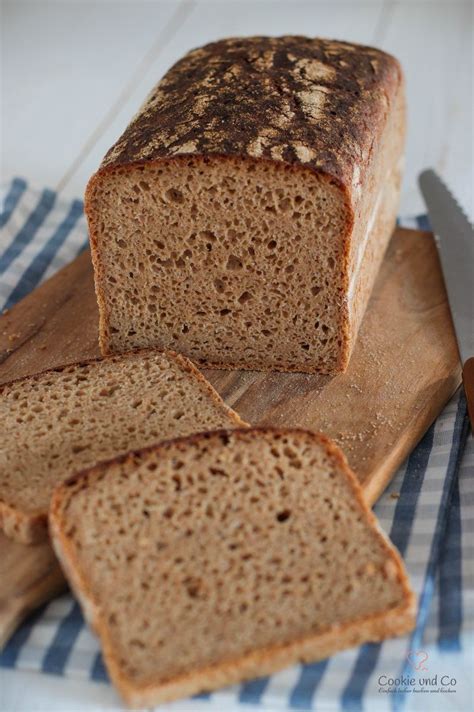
<point x="454" y="236"/>
<point x="455" y="241"/>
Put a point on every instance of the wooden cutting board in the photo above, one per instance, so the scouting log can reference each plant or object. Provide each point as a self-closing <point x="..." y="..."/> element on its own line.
<point x="404" y="368"/>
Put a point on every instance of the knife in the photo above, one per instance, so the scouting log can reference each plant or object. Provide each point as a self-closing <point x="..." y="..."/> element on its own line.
<point x="454" y="236"/>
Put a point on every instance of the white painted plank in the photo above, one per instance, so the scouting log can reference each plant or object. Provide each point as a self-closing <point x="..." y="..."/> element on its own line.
<point x="166" y="32"/>
<point x="65" y="66"/>
<point x="64" y="63"/>
<point x="213" y="20"/>
<point x="434" y="43"/>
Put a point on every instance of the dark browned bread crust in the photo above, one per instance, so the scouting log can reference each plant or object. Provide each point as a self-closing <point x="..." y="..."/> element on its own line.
<point x="255" y="97"/>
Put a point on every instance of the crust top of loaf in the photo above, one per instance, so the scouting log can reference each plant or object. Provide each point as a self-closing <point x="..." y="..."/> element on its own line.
<point x="306" y="102"/>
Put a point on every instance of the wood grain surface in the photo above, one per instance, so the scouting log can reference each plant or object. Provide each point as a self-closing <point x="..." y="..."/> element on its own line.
<point x="404" y="368"/>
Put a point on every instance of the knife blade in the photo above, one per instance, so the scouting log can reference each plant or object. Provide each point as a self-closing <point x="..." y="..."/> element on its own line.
<point x="454" y="236"/>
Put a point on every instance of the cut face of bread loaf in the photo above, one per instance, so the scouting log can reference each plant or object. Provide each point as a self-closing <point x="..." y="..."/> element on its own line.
<point x="63" y="420"/>
<point x="223" y="556"/>
<point x="242" y="217"/>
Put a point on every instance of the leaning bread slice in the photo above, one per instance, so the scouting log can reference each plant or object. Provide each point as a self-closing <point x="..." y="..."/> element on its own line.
<point x="223" y="556"/>
<point x="61" y="421"/>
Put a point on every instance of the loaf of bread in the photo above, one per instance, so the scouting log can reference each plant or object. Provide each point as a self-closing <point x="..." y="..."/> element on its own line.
<point x="63" y="420"/>
<point x="223" y="556"/>
<point x="242" y="216"/>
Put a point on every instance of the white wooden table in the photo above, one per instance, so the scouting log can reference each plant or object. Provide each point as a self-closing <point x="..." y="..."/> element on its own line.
<point x="75" y="71"/>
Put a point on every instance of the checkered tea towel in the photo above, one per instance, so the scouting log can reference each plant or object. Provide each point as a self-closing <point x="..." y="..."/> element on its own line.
<point x="430" y="520"/>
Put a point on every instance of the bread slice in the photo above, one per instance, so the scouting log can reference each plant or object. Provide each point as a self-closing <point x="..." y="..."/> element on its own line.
<point x="61" y="421"/>
<point x="243" y="215"/>
<point x="223" y="556"/>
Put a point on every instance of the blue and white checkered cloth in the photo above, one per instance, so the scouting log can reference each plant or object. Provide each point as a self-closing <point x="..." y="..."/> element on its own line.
<point x="430" y="520"/>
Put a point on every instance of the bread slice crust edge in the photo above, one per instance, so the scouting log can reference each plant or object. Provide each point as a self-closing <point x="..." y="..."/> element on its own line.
<point x="373" y="628"/>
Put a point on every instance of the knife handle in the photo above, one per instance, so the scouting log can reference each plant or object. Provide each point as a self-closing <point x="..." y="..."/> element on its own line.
<point x="468" y="382"/>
